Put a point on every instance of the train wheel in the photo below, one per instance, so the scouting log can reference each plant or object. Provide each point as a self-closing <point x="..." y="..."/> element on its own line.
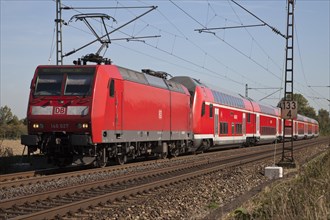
<point x="174" y="152"/>
<point x="163" y="155"/>
<point x="121" y="159"/>
<point x="102" y="159"/>
<point x="100" y="163"/>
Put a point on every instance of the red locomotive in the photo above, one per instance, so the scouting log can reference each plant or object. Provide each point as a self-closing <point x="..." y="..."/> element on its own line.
<point x="96" y="113"/>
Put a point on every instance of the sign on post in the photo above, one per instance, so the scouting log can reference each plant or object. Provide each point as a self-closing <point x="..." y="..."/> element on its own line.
<point x="289" y="109"/>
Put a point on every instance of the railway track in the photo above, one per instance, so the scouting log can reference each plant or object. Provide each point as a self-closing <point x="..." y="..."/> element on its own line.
<point x="21" y="176"/>
<point x="49" y="204"/>
<point x="47" y="175"/>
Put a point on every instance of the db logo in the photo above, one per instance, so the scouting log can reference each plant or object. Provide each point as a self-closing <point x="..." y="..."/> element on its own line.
<point x="59" y="110"/>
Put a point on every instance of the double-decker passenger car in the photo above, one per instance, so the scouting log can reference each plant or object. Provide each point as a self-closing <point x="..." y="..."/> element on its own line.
<point x="222" y="119"/>
<point x="305" y="127"/>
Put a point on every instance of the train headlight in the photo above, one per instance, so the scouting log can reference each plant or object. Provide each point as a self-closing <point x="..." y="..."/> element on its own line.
<point x="84" y="125"/>
<point x="36" y="126"/>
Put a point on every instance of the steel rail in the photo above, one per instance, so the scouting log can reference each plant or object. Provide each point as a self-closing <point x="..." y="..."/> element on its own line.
<point x="230" y="161"/>
<point x="30" y="177"/>
<point x="108" y="197"/>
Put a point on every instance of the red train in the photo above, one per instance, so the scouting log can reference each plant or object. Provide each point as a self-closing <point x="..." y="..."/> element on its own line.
<point x="96" y="113"/>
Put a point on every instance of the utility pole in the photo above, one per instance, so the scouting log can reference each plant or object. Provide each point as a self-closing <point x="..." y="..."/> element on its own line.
<point x="288" y="105"/>
<point x="58" y="21"/>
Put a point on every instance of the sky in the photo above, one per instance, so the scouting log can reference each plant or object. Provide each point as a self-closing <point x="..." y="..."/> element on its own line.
<point x="225" y="59"/>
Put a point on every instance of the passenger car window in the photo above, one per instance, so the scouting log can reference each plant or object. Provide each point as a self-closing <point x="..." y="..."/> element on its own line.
<point x="203" y="109"/>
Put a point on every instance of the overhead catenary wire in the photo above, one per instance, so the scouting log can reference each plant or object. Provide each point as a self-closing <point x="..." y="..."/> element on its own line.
<point x="204" y="52"/>
<point x="52" y="46"/>
<point x="182" y="59"/>
<point x="303" y="69"/>
<point x="203" y="66"/>
<point x="206" y="55"/>
<point x="271" y="27"/>
<point x="257" y="43"/>
<point x="116" y="29"/>
<point x="228" y="44"/>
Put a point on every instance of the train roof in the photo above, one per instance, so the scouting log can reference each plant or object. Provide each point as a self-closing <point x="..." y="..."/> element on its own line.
<point x="227" y="98"/>
<point x="306" y="119"/>
<point x="127" y="74"/>
<point x="149" y="79"/>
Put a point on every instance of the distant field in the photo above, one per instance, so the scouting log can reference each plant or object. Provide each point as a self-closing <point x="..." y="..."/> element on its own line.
<point x="13" y="146"/>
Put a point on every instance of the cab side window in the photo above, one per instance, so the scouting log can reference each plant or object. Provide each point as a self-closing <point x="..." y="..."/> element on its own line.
<point x="112" y="88"/>
<point x="211" y="110"/>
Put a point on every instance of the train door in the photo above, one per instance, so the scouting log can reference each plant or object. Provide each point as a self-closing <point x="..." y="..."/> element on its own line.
<point x="277" y="131"/>
<point x="118" y="107"/>
<point x="296" y="128"/>
<point x="244" y="125"/>
<point x="216" y="122"/>
<point x="257" y="124"/>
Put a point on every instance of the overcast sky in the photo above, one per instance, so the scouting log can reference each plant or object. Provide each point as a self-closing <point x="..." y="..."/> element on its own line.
<point x="226" y="59"/>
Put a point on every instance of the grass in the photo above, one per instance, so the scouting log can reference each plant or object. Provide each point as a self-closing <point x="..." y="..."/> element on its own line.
<point x="307" y="196"/>
<point x="213" y="205"/>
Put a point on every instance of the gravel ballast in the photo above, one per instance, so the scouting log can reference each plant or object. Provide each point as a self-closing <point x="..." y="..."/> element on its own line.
<point x="201" y="198"/>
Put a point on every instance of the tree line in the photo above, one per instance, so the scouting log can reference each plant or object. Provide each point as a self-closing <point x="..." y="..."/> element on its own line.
<point x="12" y="128"/>
<point x="322" y="117"/>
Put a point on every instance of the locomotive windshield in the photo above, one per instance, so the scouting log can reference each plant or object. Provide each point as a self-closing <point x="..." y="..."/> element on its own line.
<point x="64" y="81"/>
<point x="78" y="84"/>
<point x="49" y="84"/>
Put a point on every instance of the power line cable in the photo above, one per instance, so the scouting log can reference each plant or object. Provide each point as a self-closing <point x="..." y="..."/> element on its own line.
<point x="186" y="60"/>
<point x="52" y="46"/>
<point x="258" y="44"/>
<point x="262" y="21"/>
<point x="228" y="44"/>
<point x="200" y="48"/>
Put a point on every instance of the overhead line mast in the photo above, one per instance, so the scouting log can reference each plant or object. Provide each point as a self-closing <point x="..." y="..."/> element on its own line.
<point x="288" y="105"/>
<point x="58" y="21"/>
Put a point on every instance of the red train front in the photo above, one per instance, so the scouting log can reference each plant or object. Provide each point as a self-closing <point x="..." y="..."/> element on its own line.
<point x="92" y="113"/>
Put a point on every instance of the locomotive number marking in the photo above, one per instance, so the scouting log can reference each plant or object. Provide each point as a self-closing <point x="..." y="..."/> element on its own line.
<point x="59" y="126"/>
<point x="59" y="110"/>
